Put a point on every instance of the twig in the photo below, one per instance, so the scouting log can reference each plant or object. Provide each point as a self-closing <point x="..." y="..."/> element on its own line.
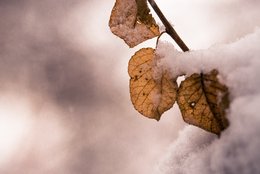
<point x="169" y="29"/>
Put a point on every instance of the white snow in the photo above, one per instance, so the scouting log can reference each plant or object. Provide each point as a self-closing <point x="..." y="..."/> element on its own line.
<point x="237" y="151"/>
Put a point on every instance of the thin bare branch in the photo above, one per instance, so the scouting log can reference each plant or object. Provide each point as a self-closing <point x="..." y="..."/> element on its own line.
<point x="169" y="29"/>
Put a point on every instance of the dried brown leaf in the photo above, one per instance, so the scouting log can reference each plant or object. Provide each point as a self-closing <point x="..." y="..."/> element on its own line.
<point x="131" y="21"/>
<point x="152" y="89"/>
<point x="202" y="100"/>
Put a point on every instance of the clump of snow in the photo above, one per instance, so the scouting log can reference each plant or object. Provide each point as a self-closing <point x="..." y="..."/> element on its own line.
<point x="237" y="150"/>
<point x="156" y="98"/>
<point x="237" y="62"/>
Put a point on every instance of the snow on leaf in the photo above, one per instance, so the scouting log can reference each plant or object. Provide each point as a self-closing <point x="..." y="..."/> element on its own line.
<point x="152" y="89"/>
<point x="202" y="100"/>
<point x="131" y="21"/>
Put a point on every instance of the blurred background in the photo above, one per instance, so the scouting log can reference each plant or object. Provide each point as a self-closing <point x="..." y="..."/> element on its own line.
<point x="64" y="97"/>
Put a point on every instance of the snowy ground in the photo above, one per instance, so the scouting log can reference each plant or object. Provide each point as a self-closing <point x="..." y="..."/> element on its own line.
<point x="237" y="151"/>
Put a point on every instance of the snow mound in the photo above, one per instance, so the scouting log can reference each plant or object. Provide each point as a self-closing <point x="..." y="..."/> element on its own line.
<point x="237" y="151"/>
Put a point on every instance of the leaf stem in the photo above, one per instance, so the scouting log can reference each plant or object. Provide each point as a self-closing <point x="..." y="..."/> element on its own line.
<point x="169" y="29"/>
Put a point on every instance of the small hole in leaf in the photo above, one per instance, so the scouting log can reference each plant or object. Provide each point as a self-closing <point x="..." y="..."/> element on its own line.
<point x="192" y="104"/>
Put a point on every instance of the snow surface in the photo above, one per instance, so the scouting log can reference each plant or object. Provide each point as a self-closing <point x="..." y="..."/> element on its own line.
<point x="237" y="151"/>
